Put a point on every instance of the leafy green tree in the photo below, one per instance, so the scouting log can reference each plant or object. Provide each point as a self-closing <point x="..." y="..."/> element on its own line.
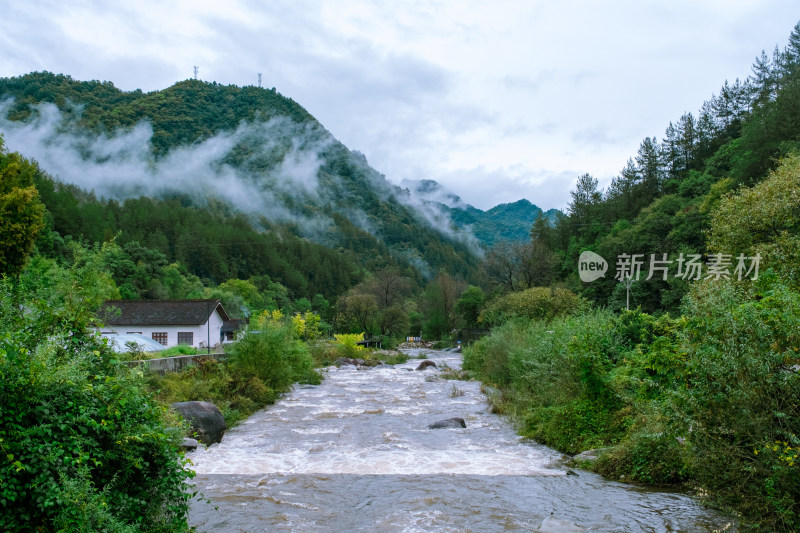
<point x="359" y="309"/>
<point x="21" y="211"/>
<point x="469" y="305"/>
<point x="764" y="219"/>
<point x="439" y="303"/>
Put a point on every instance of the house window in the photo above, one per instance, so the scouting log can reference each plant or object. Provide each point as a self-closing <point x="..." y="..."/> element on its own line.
<point x="136" y="332"/>
<point x="185" y="337"/>
<point x="160" y="336"/>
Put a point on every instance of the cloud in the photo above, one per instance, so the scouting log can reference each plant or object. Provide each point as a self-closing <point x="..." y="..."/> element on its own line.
<point x="121" y="165"/>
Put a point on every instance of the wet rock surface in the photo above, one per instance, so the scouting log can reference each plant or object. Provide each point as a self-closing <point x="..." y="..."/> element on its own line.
<point x="454" y="422"/>
<point x="205" y="418"/>
<point x="426" y="364"/>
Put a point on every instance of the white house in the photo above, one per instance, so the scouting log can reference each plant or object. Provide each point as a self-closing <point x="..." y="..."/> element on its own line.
<point x="195" y="323"/>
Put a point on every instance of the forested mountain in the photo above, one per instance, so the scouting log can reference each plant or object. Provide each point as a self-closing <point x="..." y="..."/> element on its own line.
<point x="229" y="181"/>
<point x="662" y="200"/>
<point x="510" y="222"/>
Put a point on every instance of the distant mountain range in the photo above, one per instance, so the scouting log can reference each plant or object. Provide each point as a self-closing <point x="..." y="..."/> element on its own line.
<point x="503" y="222"/>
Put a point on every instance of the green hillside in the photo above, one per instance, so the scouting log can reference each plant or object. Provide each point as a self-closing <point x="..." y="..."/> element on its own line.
<point x="307" y="211"/>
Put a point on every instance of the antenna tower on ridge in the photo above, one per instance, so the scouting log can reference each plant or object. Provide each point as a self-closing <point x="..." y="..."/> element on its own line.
<point x="259" y="80"/>
<point x="196" y="68"/>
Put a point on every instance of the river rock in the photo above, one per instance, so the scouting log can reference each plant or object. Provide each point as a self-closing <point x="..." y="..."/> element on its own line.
<point x="426" y="364"/>
<point x="189" y="444"/>
<point x="590" y="456"/>
<point x="454" y="422"/>
<point x="205" y="418"/>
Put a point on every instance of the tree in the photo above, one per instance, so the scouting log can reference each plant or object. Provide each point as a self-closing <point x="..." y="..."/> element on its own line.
<point x="542" y="230"/>
<point x="649" y="166"/>
<point x="515" y="265"/>
<point x="393" y="320"/>
<point x="585" y="198"/>
<point x="360" y="308"/>
<point x="536" y="264"/>
<point x="388" y="286"/>
<point x="21" y="211"/>
<point x="763" y="219"/>
<point x="469" y="305"/>
<point x="500" y="265"/>
<point x="440" y="297"/>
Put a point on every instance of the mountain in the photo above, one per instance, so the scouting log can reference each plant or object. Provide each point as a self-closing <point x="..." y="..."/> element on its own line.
<point x="246" y="154"/>
<point x="503" y="222"/>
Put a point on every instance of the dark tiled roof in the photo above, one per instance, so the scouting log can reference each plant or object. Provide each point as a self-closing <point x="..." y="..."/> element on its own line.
<point x="230" y="326"/>
<point x="160" y="312"/>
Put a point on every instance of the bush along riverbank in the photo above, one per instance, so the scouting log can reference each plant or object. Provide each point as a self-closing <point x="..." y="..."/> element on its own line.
<point x="710" y="399"/>
<point x="269" y="358"/>
<point x="83" y="445"/>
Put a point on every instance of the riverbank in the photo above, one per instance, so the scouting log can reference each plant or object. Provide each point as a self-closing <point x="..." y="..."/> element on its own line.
<point x="705" y="400"/>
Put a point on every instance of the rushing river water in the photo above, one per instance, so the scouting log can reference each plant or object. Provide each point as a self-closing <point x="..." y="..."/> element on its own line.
<point x="355" y="454"/>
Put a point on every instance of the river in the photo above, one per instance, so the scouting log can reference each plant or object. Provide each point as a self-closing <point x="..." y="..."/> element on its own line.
<point x="355" y="454"/>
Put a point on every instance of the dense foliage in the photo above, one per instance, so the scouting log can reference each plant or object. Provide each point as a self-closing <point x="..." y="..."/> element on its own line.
<point x="83" y="446"/>
<point x="269" y="357"/>
<point x="21" y="211"/>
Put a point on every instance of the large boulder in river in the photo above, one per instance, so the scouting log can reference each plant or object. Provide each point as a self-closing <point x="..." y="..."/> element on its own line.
<point x="426" y="364"/>
<point x="205" y="418"/>
<point x="454" y="422"/>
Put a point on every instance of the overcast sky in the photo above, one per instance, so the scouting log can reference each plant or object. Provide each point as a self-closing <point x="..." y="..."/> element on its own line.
<point x="496" y="100"/>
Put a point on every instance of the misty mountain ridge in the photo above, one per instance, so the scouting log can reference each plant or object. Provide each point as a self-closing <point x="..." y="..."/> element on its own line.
<point x="509" y="221"/>
<point x="251" y="148"/>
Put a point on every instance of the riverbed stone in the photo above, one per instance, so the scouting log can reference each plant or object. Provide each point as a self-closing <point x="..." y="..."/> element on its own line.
<point x="205" y="418"/>
<point x="590" y="456"/>
<point x="188" y="444"/>
<point x="454" y="422"/>
<point x="427" y="363"/>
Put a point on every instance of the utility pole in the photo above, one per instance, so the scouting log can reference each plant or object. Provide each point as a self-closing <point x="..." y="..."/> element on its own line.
<point x="628" y="281"/>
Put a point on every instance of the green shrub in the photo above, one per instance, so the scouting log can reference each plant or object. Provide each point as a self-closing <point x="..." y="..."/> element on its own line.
<point x="536" y="303"/>
<point x="177" y="351"/>
<point x="652" y="458"/>
<point x="742" y="396"/>
<point x="84" y="446"/>
<point x="555" y="378"/>
<point x="347" y="344"/>
<point x="323" y="352"/>
<point x="270" y="352"/>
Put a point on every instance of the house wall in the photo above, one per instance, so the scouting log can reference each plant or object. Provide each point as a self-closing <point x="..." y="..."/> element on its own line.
<point x="200" y="334"/>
